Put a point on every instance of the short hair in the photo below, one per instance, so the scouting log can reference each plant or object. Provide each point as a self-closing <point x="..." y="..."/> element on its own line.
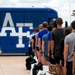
<point x="45" y="24"/>
<point x="73" y="24"/>
<point x="67" y="31"/>
<point x="40" y="26"/>
<point x="59" y="21"/>
<point x="37" y="30"/>
<point x="49" y="28"/>
<point x="55" y="24"/>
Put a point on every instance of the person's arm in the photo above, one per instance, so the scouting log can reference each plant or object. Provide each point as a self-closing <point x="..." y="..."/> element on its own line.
<point x="39" y="40"/>
<point x="39" y="43"/>
<point x="65" y="54"/>
<point x="52" y="45"/>
<point x="49" y="47"/>
<point x="52" y="49"/>
<point x="32" y="44"/>
<point x="43" y="46"/>
<point x="49" y="43"/>
<point x="66" y="48"/>
<point x="36" y="39"/>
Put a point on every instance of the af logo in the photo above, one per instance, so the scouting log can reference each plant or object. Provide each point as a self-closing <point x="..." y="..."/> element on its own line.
<point x="20" y="34"/>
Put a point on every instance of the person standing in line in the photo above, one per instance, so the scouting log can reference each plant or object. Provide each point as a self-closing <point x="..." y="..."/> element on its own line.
<point x="52" y="61"/>
<point x="68" y="50"/>
<point x="40" y="35"/>
<point x="67" y="31"/>
<point x="36" y="37"/>
<point x="57" y="35"/>
<point x="33" y="42"/>
<point x="54" y="26"/>
<point x="36" y="40"/>
<point x="45" y="57"/>
<point x="30" y="43"/>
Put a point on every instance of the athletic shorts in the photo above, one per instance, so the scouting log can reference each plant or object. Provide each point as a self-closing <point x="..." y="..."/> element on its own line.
<point x="57" y="60"/>
<point x="52" y="61"/>
<point x="37" y="48"/>
<point x="69" y="68"/>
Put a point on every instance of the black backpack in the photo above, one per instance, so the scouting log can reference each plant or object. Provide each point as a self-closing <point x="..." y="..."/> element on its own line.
<point x="30" y="60"/>
<point x="36" y="68"/>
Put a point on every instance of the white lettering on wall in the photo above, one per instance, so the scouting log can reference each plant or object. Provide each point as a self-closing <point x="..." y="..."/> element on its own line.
<point x="20" y="33"/>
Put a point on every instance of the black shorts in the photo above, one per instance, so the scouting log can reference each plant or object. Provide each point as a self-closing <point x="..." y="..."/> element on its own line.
<point x="69" y="68"/>
<point x="37" y="48"/>
<point x="52" y="61"/>
<point x="57" y="60"/>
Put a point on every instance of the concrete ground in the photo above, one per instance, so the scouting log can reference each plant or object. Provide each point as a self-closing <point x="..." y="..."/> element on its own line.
<point x="13" y="65"/>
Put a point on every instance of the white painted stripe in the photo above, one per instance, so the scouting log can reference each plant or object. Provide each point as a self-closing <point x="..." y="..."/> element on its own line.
<point x="19" y="24"/>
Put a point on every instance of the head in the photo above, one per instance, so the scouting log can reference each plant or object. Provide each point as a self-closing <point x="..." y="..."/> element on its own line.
<point x="45" y="24"/>
<point x="73" y="25"/>
<point x="37" y="30"/>
<point x="59" y="21"/>
<point x="49" y="28"/>
<point x="55" y="24"/>
<point x="40" y="27"/>
<point x="34" y="31"/>
<point x="67" y="31"/>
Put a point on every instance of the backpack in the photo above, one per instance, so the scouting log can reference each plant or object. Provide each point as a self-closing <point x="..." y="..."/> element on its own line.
<point x="28" y="60"/>
<point x="36" y="68"/>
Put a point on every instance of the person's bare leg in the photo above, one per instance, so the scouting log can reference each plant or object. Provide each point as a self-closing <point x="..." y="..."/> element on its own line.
<point x="53" y="69"/>
<point x="39" y="56"/>
<point x="64" y="70"/>
<point x="58" y="70"/>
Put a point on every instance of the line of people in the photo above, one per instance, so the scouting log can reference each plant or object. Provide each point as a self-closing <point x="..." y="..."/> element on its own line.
<point x="55" y="46"/>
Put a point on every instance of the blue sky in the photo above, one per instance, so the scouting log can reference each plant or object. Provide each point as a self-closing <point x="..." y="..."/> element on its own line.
<point x="64" y="7"/>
